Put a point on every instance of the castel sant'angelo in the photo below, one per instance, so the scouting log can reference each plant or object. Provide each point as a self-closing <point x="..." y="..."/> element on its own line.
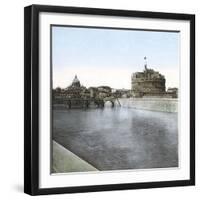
<point x="149" y="83"/>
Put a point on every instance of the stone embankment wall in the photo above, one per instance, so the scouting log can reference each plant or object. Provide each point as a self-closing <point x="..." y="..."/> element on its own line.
<point x="65" y="161"/>
<point x="155" y="104"/>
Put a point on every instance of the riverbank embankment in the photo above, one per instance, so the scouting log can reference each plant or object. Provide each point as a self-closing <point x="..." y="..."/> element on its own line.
<point x="66" y="161"/>
<point x="154" y="104"/>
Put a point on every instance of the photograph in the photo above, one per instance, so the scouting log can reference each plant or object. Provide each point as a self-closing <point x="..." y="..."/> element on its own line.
<point x="109" y="99"/>
<point x="114" y="99"/>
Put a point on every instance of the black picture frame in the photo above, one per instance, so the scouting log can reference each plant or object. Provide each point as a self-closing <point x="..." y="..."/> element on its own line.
<point x="31" y="98"/>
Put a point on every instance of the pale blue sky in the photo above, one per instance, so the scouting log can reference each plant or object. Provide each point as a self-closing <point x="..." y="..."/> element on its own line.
<point x="109" y="56"/>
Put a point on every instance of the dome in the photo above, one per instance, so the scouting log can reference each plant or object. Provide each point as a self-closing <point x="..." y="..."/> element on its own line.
<point x="75" y="79"/>
<point x="76" y="82"/>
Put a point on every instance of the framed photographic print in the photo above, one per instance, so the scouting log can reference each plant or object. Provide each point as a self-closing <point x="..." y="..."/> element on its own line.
<point x="109" y="99"/>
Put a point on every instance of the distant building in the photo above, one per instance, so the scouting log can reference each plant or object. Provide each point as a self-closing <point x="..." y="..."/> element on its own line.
<point x="122" y="93"/>
<point x="104" y="91"/>
<point x="173" y="92"/>
<point x="75" y="90"/>
<point x="147" y="83"/>
<point x="93" y="92"/>
<point x="78" y="96"/>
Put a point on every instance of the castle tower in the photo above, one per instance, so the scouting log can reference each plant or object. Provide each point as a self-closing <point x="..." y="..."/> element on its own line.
<point x="147" y="83"/>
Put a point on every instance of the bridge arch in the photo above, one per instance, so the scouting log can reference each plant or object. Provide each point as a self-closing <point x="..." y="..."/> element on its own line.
<point x="110" y="101"/>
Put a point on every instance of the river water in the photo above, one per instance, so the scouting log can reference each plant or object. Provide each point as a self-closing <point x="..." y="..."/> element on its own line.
<point x="119" y="138"/>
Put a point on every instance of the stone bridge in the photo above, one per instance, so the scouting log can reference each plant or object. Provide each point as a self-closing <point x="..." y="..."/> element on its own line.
<point x="87" y="102"/>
